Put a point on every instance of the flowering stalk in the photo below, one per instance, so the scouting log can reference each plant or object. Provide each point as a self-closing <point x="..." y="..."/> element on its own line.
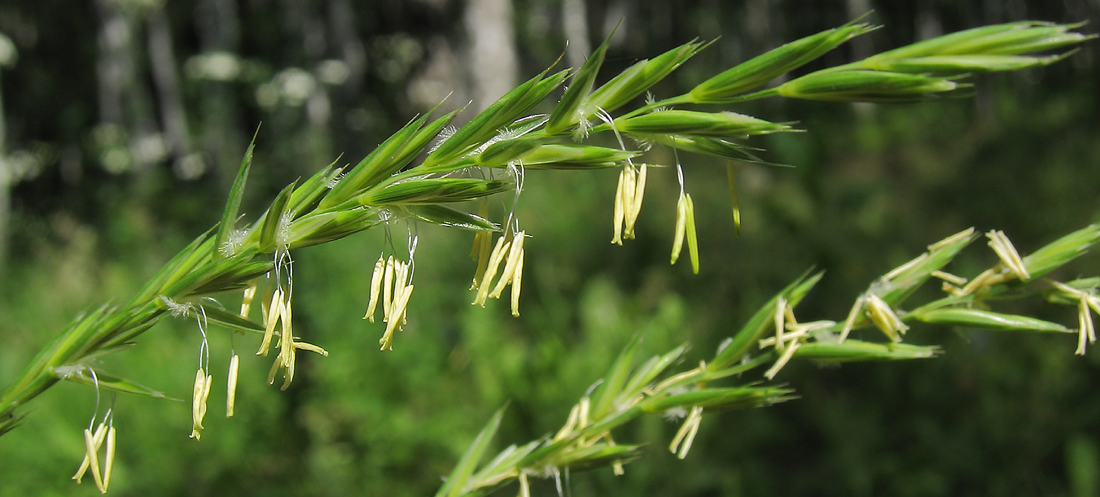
<point x="488" y="155"/>
<point x="631" y="390"/>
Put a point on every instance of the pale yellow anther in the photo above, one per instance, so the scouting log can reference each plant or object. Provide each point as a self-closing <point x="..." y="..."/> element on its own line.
<point x="951" y="240"/>
<point x="810" y="327"/>
<point x="952" y="289"/>
<point x="954" y="280"/>
<point x="524" y="487"/>
<point x="198" y="401"/>
<point x="783" y="359"/>
<point x="681" y="228"/>
<point x="286" y="356"/>
<point x="491" y="270"/>
<point x="109" y="463"/>
<point x="681" y="443"/>
<point x="570" y="424"/>
<point x="620" y="210"/>
<point x="630" y="183"/>
<point x="271" y="318"/>
<point x="582" y="417"/>
<point x="400" y="279"/>
<point x="231" y="385"/>
<point x="851" y="320"/>
<point x="387" y="289"/>
<point x="513" y="258"/>
<point x="1086" y="330"/>
<point x="1008" y="255"/>
<point x="780" y="306"/>
<point x="790" y="322"/>
<point x="246" y="300"/>
<point x="884" y="318"/>
<point x="634" y="207"/>
<point x="987" y="277"/>
<point x="309" y="347"/>
<point x="787" y="337"/>
<point x="483" y="241"/>
<point x="90" y="454"/>
<point x="286" y="335"/>
<point x="397" y="315"/>
<point x="92" y="447"/>
<point x="689" y="233"/>
<point x="617" y="465"/>
<point x="517" y="280"/>
<point x="375" y="287"/>
<point x="898" y="271"/>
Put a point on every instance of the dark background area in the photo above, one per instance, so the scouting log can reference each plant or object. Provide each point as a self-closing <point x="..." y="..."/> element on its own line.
<point x="122" y="123"/>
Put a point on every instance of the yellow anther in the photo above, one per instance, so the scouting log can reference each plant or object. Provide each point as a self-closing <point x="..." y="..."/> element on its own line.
<point x="620" y="209"/>
<point x="514" y="251"/>
<point x="1009" y="257"/>
<point x="884" y="318"/>
<point x="91" y="444"/>
<point x="231" y="385"/>
<point x="198" y="401"/>
<point x="681" y="443"/>
<point x="851" y="320"/>
<point x="780" y="306"/>
<point x="633" y="203"/>
<point x="246" y="300"/>
<point x="271" y="318"/>
<point x="783" y="359"/>
<point x="517" y="279"/>
<point x="90" y="455"/>
<point x="397" y="316"/>
<point x="689" y="232"/>
<point x="949" y="278"/>
<point x="387" y="289"/>
<point x="375" y="287"/>
<point x="681" y="228"/>
<point x="951" y="240"/>
<point x="109" y="463"/>
<point x="630" y="184"/>
<point x="491" y="271"/>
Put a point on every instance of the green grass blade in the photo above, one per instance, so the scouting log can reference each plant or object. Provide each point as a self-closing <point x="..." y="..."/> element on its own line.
<point x="977" y="318"/>
<point x="853" y="350"/>
<point x="598" y="455"/>
<point x="763" y="68"/>
<point x="639" y="77"/>
<point x="116" y="384"/>
<point x="564" y="114"/>
<point x="1061" y="251"/>
<point x="233" y="204"/>
<point x="456" y="481"/>
<point x="718" y="398"/>
<point x="232" y="320"/>
<point x="443" y="215"/>
<point x="761" y="322"/>
<point x="273" y="218"/>
<point x="648" y="372"/>
<point x="310" y="193"/>
<point x="501" y="113"/>
<point x="433" y="191"/>
<point x="603" y="399"/>
<point x="375" y="167"/>
<point x="502" y="152"/>
<point x="904" y="283"/>
<point x="574" y="156"/>
<point x="692" y="123"/>
<point x="865" y="86"/>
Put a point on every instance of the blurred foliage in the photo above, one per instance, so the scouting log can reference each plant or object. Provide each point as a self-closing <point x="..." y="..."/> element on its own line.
<point x="111" y="197"/>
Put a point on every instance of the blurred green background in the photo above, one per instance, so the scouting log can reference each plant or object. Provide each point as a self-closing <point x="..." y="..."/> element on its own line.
<point x="122" y="123"/>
